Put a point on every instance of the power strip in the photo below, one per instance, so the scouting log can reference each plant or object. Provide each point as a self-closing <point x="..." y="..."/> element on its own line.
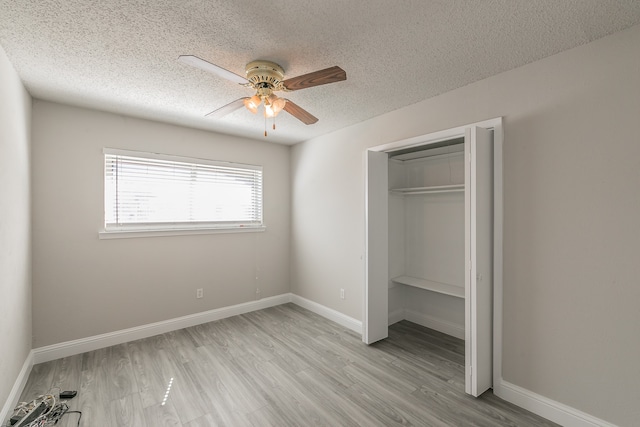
<point x="31" y="416"/>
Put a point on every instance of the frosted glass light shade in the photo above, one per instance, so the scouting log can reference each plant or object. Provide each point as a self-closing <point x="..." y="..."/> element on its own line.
<point x="274" y="106"/>
<point x="252" y="104"/>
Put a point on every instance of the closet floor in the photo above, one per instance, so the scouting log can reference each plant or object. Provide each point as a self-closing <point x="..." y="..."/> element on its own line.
<point x="281" y="366"/>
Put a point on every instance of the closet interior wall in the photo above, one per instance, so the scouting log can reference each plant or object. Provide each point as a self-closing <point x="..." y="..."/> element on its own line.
<point x="426" y="237"/>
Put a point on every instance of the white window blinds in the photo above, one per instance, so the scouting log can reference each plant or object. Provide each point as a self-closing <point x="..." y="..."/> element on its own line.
<point x="145" y="191"/>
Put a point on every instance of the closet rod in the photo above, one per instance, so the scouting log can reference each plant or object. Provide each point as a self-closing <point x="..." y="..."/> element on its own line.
<point x="429" y="190"/>
<point x="409" y="193"/>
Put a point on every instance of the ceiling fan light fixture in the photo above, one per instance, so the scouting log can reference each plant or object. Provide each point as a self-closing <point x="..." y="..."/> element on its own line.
<point x="269" y="111"/>
<point x="252" y="103"/>
<point x="268" y="100"/>
<point x="273" y="105"/>
<point x="278" y="105"/>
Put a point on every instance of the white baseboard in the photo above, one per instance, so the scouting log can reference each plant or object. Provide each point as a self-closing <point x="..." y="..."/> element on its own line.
<point x="69" y="348"/>
<point x="547" y="408"/>
<point x="329" y="313"/>
<point x="16" y="390"/>
<point x="434" y="323"/>
<point x="396" y="315"/>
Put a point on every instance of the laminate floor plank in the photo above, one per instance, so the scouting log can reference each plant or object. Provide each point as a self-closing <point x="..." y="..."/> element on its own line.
<point x="281" y="366"/>
<point x="228" y="330"/>
<point x="93" y="396"/>
<point x="316" y="410"/>
<point x="222" y="375"/>
<point x="387" y="412"/>
<point x="40" y="381"/>
<point x="453" y="408"/>
<point x="287" y="350"/>
<point x="223" y="338"/>
<point x="346" y="344"/>
<point x="217" y="401"/>
<point x="443" y="340"/>
<point x="187" y="391"/>
<point x="117" y="372"/>
<point x="266" y="417"/>
<point x="326" y="364"/>
<point x="182" y="343"/>
<point x="427" y="362"/>
<point x="204" y="421"/>
<point x="406" y="338"/>
<point x="128" y="411"/>
<point x="68" y="376"/>
<point x="261" y="375"/>
<point x="326" y="328"/>
<point x="334" y="398"/>
<point x="425" y="372"/>
<point x="147" y="367"/>
<point x="162" y="415"/>
<point x="68" y="373"/>
<point x="254" y="340"/>
<point x="310" y="326"/>
<point x="225" y="418"/>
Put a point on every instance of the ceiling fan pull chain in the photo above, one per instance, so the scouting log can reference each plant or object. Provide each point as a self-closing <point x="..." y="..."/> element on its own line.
<point x="265" y="126"/>
<point x="274" y="122"/>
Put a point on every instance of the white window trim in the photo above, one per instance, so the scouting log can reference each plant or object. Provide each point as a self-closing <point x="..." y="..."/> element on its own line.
<point x="127" y="234"/>
<point x="179" y="229"/>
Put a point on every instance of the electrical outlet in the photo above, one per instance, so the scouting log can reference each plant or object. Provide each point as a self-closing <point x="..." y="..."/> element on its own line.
<point x="199" y="293"/>
<point x="341" y="293"/>
<point x="257" y="293"/>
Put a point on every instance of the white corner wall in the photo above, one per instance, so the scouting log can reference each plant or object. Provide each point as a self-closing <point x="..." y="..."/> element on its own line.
<point x="571" y="209"/>
<point x="15" y="229"/>
<point x="83" y="286"/>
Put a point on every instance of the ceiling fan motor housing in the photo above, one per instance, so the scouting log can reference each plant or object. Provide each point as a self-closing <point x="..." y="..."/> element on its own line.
<point x="265" y="75"/>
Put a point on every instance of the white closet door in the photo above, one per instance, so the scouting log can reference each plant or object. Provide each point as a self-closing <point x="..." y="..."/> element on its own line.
<point x="376" y="312"/>
<point x="479" y="250"/>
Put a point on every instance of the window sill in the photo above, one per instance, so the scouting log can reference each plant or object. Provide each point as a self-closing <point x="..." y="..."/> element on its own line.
<point x="127" y="234"/>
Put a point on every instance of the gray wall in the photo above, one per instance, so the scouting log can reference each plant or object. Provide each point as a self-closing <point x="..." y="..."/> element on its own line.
<point x="15" y="226"/>
<point x="83" y="286"/>
<point x="571" y="209"/>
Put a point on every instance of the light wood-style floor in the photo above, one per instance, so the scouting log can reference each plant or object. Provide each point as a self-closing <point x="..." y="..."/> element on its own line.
<point x="282" y="366"/>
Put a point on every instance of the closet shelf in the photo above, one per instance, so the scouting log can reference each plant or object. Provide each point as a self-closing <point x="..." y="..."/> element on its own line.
<point x="428" y="190"/>
<point x="430" y="285"/>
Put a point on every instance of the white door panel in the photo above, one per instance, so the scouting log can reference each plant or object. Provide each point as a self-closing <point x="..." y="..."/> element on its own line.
<point x="376" y="314"/>
<point x="479" y="250"/>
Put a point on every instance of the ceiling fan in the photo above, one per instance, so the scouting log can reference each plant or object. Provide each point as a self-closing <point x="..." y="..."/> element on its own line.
<point x="266" y="77"/>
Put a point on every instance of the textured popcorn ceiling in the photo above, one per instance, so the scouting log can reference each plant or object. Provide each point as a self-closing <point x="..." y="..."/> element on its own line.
<point x="120" y="56"/>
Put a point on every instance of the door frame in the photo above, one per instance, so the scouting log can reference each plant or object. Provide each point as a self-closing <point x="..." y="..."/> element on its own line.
<point x="496" y="125"/>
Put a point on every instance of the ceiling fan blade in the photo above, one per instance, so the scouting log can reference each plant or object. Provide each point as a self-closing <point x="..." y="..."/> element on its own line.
<point x="194" y="61"/>
<point x="229" y="108"/>
<point x="317" y="78"/>
<point x="299" y="113"/>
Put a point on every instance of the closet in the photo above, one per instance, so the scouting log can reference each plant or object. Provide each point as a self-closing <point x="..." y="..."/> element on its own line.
<point x="430" y="232"/>
<point x="426" y="236"/>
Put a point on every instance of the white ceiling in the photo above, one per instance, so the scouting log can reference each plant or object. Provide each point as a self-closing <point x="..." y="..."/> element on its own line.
<point x="121" y="56"/>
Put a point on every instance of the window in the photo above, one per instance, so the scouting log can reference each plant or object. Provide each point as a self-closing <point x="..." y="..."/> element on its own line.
<point x="152" y="192"/>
